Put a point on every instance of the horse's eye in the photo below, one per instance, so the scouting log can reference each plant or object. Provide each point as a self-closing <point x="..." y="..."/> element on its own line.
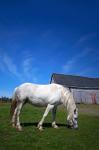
<point x="76" y="118"/>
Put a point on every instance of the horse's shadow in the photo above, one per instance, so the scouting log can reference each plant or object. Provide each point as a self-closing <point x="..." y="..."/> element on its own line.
<point x="48" y="125"/>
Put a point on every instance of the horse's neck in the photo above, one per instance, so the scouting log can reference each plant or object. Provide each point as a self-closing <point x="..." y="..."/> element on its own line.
<point x="69" y="103"/>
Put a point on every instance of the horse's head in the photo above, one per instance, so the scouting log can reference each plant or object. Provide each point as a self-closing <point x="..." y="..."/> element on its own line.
<point x="72" y="122"/>
<point x="75" y="119"/>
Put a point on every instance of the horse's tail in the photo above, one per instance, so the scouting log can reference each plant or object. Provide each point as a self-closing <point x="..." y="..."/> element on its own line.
<point x="13" y="104"/>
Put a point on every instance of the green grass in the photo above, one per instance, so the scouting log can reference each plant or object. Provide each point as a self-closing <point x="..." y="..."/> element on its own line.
<point x="86" y="138"/>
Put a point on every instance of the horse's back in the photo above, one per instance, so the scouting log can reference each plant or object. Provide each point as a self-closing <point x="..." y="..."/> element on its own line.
<point x="37" y="89"/>
<point x="30" y="86"/>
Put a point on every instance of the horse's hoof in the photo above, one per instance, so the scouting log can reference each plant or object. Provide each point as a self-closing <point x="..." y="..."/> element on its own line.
<point x="19" y="129"/>
<point x="13" y="125"/>
<point x="40" y="128"/>
<point x="55" y="127"/>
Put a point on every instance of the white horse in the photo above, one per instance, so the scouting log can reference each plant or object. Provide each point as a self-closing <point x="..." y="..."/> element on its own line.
<point x="50" y="96"/>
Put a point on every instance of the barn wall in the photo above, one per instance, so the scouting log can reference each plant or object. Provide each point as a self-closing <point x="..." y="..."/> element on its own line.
<point x="86" y="96"/>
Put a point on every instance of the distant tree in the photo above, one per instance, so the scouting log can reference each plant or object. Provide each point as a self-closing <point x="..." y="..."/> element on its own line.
<point x="5" y="99"/>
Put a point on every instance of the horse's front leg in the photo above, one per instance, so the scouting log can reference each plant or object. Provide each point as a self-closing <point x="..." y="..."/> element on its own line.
<point x="54" y="117"/>
<point x="49" y="107"/>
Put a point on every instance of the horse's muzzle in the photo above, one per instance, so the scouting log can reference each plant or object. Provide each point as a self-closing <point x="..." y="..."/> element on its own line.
<point x="75" y="123"/>
<point x="75" y="126"/>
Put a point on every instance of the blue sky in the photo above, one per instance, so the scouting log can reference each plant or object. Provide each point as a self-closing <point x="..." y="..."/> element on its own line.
<point x="40" y="37"/>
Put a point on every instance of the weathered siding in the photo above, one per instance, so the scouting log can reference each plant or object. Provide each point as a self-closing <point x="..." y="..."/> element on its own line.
<point x="86" y="96"/>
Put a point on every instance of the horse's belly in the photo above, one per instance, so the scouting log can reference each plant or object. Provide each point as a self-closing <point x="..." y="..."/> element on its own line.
<point x="38" y="102"/>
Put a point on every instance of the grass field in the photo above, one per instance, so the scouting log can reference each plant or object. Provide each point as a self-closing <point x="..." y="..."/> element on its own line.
<point x="86" y="138"/>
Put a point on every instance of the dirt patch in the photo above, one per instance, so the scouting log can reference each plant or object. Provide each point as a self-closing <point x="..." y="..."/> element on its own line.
<point x="89" y="109"/>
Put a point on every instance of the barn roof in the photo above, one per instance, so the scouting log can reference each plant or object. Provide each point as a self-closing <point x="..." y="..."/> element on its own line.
<point x="72" y="81"/>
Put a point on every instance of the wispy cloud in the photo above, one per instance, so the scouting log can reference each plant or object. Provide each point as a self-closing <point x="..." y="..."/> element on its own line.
<point x="71" y="63"/>
<point x="12" y="68"/>
<point x="85" y="38"/>
<point x="29" y="70"/>
<point x="7" y="64"/>
<point x="85" y="72"/>
<point x="24" y="72"/>
<point x="27" y="66"/>
<point x="74" y="61"/>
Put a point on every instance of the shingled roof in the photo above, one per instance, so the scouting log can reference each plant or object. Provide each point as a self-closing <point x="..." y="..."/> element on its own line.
<point x="72" y="81"/>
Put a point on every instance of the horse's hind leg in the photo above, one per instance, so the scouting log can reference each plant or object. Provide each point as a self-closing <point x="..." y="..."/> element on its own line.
<point x="19" y="106"/>
<point x="14" y="118"/>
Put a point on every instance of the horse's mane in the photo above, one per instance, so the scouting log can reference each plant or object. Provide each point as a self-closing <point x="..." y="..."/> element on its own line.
<point x="69" y="101"/>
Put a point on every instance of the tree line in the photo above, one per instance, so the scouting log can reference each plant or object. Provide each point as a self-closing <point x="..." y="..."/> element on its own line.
<point x="5" y="99"/>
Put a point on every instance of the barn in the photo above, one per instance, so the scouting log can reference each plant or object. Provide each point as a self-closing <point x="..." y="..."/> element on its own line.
<point x="84" y="89"/>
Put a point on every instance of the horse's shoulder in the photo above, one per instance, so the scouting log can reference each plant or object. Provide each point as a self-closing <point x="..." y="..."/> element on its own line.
<point x="55" y="86"/>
